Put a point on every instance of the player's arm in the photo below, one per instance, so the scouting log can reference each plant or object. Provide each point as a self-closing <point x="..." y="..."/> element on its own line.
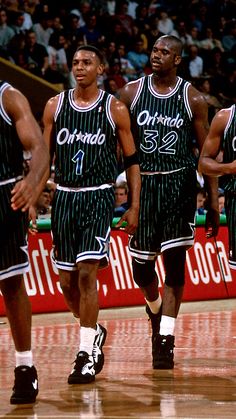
<point x="122" y="120"/>
<point x="48" y="124"/>
<point x="201" y="127"/>
<point x="26" y="191"/>
<point x="208" y="163"/>
<point x="127" y="93"/>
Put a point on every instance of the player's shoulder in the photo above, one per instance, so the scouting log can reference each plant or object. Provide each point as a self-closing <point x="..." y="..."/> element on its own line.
<point x="223" y="115"/>
<point x="194" y="93"/>
<point x="117" y="104"/>
<point x="11" y="92"/>
<point x="197" y="101"/>
<point x="53" y="101"/>
<point x="128" y="92"/>
<point x="14" y="101"/>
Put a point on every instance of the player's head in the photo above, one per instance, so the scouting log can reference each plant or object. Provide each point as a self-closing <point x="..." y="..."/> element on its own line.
<point x="166" y="54"/>
<point x="93" y="49"/>
<point x="87" y="65"/>
<point x="173" y="42"/>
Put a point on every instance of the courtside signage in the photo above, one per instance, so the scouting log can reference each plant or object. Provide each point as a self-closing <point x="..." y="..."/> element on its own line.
<point x="207" y="273"/>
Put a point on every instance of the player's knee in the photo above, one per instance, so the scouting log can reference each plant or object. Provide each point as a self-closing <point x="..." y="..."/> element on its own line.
<point x="174" y="262"/>
<point x="65" y="282"/>
<point x="143" y="272"/>
<point x="65" y="287"/>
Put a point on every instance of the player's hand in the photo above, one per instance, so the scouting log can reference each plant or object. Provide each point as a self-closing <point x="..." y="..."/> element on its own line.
<point x="212" y="223"/>
<point x="22" y="195"/>
<point x="131" y="218"/>
<point x="33" y="218"/>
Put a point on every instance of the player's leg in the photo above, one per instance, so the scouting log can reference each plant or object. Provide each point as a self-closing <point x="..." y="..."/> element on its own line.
<point x="69" y="282"/>
<point x="174" y="262"/>
<point x="91" y="249"/>
<point x="143" y="248"/>
<point x="18" y="311"/>
<point x="145" y="277"/>
<point x="230" y="208"/>
<point x="178" y="235"/>
<point x="87" y="308"/>
<point x="14" y="258"/>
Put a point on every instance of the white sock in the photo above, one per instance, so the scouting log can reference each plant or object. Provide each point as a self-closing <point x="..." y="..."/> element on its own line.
<point x="167" y="325"/>
<point x="87" y="335"/>
<point x="24" y="358"/>
<point x="154" y="305"/>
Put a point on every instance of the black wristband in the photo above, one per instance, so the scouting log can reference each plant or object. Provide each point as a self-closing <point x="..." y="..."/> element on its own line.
<point x="131" y="160"/>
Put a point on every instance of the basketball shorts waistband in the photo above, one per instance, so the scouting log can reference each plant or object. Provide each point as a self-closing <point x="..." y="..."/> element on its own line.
<point x="12" y="180"/>
<point x="162" y="173"/>
<point x="84" y="189"/>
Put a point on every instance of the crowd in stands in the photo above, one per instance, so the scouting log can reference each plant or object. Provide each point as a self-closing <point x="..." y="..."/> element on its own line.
<point x="202" y="204"/>
<point x="121" y="198"/>
<point x="42" y="36"/>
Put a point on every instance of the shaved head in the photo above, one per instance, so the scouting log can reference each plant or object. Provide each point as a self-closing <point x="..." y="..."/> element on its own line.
<point x="173" y="42"/>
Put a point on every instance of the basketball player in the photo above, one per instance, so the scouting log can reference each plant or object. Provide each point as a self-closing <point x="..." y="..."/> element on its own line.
<point x="164" y="110"/>
<point x="81" y="128"/>
<point x="18" y="131"/>
<point x="222" y="137"/>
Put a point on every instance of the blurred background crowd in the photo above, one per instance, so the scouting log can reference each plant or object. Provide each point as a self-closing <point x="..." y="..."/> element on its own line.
<point x="41" y="36"/>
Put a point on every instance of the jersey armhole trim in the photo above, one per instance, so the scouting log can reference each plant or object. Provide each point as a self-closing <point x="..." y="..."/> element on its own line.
<point x="3" y="113"/>
<point x="137" y="94"/>
<point x="186" y="100"/>
<point x="59" y="104"/>
<point x="108" y="112"/>
<point x="231" y="115"/>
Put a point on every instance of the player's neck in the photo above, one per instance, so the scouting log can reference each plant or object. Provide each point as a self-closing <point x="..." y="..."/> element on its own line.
<point x="164" y="84"/>
<point x="85" y="96"/>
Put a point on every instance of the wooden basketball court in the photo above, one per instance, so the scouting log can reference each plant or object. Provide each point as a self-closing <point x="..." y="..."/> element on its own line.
<point x="202" y="384"/>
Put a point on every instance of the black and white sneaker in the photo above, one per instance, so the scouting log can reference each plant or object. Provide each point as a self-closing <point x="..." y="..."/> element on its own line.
<point x="98" y="354"/>
<point x="83" y="371"/>
<point x="163" y="352"/>
<point x="25" y="387"/>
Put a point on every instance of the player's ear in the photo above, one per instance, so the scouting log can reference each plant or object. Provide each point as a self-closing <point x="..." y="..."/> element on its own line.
<point x="101" y="69"/>
<point x="178" y="59"/>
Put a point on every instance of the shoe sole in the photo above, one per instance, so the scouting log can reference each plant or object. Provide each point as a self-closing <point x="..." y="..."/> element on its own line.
<point x="162" y="366"/>
<point x="81" y="380"/>
<point x="99" y="365"/>
<point x="15" y="400"/>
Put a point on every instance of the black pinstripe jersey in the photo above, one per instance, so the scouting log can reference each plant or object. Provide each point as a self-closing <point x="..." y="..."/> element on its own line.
<point x="229" y="149"/>
<point x="86" y="143"/>
<point x="11" y="150"/>
<point x="162" y="127"/>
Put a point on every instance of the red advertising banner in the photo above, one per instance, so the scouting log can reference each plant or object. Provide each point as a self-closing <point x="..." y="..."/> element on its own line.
<point x="207" y="273"/>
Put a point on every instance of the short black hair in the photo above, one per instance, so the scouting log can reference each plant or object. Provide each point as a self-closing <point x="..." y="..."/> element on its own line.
<point x="91" y="48"/>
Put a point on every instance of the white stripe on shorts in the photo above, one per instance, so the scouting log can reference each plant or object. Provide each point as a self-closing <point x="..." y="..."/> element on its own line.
<point x="14" y="179"/>
<point x="89" y="188"/>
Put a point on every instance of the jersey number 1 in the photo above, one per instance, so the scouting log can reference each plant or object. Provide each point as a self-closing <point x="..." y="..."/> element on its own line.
<point x="78" y="159"/>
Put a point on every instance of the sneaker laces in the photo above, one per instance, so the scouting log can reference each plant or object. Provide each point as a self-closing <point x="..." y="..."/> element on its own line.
<point x="80" y="359"/>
